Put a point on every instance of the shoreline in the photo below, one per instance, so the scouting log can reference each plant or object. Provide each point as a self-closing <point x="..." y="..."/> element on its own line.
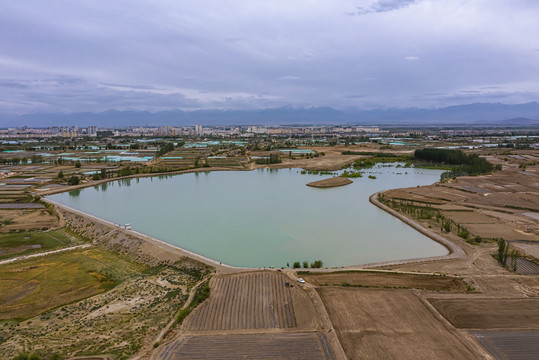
<point x="53" y="191"/>
<point x="153" y="241"/>
<point x="454" y="250"/>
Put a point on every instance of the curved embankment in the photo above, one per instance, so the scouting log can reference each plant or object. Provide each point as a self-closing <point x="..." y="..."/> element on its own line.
<point x="454" y="250"/>
<point x="136" y="246"/>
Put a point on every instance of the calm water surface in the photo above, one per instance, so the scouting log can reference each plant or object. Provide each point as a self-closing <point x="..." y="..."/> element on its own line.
<point x="264" y="217"/>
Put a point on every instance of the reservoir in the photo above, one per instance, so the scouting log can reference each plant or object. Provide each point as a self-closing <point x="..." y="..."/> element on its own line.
<point x="264" y="218"/>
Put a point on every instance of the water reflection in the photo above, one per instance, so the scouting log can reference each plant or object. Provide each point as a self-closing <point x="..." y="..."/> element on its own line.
<point x="74" y="193"/>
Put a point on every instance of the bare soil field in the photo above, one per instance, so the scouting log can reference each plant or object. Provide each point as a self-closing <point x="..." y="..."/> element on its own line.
<point x="497" y="205"/>
<point x="528" y="248"/>
<point x="494" y="231"/>
<point x="331" y="161"/>
<point x="27" y="219"/>
<point x="387" y="279"/>
<point x="390" y="324"/>
<point x="258" y="300"/>
<point x="305" y="346"/>
<point x="522" y="344"/>
<point x="469" y="217"/>
<point x="491" y="313"/>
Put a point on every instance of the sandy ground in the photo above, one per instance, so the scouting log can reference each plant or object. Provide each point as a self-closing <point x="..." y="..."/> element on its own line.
<point x="383" y="279"/>
<point x="391" y="324"/>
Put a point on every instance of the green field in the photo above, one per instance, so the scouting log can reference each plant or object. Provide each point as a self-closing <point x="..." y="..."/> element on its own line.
<point x="25" y="243"/>
<point x="31" y="286"/>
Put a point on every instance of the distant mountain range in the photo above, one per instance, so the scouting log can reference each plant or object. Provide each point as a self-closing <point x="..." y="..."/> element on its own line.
<point x="473" y="114"/>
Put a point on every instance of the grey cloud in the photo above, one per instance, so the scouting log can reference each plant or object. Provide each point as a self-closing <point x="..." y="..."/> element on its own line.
<point x="13" y="84"/>
<point x="249" y="53"/>
<point x="380" y="6"/>
<point x="389" y="5"/>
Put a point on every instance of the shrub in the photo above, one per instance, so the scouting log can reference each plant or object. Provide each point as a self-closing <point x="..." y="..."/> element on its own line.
<point x="73" y="180"/>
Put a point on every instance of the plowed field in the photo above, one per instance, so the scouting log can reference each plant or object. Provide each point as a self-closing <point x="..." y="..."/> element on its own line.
<point x="490" y="313"/>
<point x="383" y="279"/>
<point x="246" y="301"/>
<point x="304" y="346"/>
<point x="390" y="324"/>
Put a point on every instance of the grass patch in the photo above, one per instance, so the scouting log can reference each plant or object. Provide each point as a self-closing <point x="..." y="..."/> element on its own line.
<point x="201" y="294"/>
<point x="32" y="286"/>
<point x="25" y="243"/>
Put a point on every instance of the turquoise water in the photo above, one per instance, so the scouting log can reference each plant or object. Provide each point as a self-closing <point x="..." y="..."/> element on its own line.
<point x="204" y="144"/>
<point x="116" y="158"/>
<point x="297" y="151"/>
<point x="264" y="217"/>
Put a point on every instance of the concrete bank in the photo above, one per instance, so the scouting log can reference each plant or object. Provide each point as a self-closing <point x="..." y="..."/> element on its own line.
<point x="455" y="252"/>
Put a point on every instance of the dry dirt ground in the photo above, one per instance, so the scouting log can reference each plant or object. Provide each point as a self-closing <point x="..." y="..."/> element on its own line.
<point x="27" y="219"/>
<point x="331" y="161"/>
<point x="385" y="279"/>
<point x="261" y="317"/>
<point x="253" y="301"/>
<point x="275" y="346"/>
<point x="391" y="324"/>
<point x="489" y="313"/>
<point x="504" y="204"/>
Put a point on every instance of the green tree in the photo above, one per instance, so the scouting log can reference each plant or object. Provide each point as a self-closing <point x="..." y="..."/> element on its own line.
<point x="317" y="264"/>
<point x="60" y="174"/>
<point x="305" y="264"/>
<point x="503" y="250"/>
<point x="447" y="226"/>
<point x="78" y="164"/>
<point x="73" y="180"/>
<point x="514" y="256"/>
<point x="296" y="265"/>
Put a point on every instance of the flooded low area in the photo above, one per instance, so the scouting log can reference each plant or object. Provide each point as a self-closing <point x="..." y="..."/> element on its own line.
<point x="265" y="217"/>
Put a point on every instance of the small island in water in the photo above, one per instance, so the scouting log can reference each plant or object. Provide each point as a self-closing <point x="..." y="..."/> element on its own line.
<point x="331" y="182"/>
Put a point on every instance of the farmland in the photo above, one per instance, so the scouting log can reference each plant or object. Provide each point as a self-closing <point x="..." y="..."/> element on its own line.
<point x="386" y="279"/>
<point x="488" y="313"/>
<point x="519" y="344"/>
<point x="247" y="301"/>
<point x="308" y="346"/>
<point x="390" y="324"/>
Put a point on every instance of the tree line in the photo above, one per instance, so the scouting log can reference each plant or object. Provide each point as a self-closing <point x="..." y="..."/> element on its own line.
<point x="462" y="163"/>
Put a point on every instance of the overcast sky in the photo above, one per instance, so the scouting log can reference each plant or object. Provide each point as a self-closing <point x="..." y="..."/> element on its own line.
<point x="97" y="55"/>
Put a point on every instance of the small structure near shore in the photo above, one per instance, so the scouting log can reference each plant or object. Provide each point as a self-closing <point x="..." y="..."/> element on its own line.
<point x="331" y="182"/>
